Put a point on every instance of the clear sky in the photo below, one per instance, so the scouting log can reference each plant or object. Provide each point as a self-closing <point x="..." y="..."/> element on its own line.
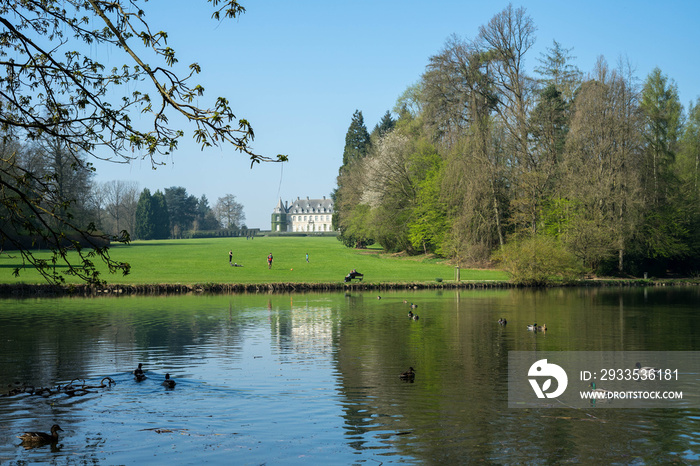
<point x="298" y="69"/>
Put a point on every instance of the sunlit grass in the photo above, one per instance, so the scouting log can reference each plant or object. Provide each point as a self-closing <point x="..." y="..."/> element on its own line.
<point x="206" y="261"/>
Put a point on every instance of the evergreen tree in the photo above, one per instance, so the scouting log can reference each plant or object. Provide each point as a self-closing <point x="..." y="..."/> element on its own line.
<point x="557" y="71"/>
<point x="161" y="217"/>
<point x="205" y="219"/>
<point x="386" y="124"/>
<point x="357" y="141"/>
<point x="144" y="228"/>
<point x="182" y="208"/>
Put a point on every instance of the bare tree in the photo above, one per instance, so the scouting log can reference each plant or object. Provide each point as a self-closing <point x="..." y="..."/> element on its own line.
<point x="229" y="212"/>
<point x="121" y="199"/>
<point x="505" y="40"/>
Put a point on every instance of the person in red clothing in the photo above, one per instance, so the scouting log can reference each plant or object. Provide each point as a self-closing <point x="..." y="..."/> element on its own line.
<point x="269" y="261"/>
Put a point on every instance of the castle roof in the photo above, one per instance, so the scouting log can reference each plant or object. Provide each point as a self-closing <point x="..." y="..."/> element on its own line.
<point x="279" y="209"/>
<point x="311" y="206"/>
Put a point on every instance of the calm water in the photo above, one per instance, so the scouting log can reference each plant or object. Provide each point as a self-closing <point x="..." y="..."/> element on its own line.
<point x="313" y="378"/>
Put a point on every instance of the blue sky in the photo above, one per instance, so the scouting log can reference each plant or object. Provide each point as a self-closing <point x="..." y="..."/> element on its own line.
<point x="297" y="70"/>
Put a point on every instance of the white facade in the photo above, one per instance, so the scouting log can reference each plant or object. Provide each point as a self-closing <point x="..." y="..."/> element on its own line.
<point x="304" y="215"/>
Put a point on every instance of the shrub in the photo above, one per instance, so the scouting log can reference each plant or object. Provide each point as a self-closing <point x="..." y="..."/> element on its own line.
<point x="539" y="260"/>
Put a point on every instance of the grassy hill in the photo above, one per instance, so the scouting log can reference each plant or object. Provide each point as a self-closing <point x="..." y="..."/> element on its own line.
<point x="196" y="261"/>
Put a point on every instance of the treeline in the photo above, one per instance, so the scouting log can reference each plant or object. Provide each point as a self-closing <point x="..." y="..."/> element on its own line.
<point x="551" y="173"/>
<point x="66" y="199"/>
<point x="171" y="213"/>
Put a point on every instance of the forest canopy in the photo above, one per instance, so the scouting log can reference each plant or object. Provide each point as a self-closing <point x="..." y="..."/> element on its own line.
<point x="599" y="169"/>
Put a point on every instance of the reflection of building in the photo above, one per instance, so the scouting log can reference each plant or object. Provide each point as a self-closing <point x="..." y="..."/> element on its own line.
<point x="307" y="215"/>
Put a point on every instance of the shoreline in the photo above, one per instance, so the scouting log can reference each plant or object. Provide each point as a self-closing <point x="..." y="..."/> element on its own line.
<point x="23" y="290"/>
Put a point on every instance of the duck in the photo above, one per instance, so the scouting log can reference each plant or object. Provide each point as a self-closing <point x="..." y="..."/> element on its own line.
<point x="413" y="306"/>
<point x="415" y="317"/>
<point x="405" y="302"/>
<point x="138" y="373"/>
<point x="533" y="327"/>
<point x="379" y="297"/>
<point x="41" y="437"/>
<point x="644" y="370"/>
<point x="410" y="314"/>
<point x="542" y="328"/>
<point x="502" y="321"/>
<point x="408" y="375"/>
<point x="168" y="382"/>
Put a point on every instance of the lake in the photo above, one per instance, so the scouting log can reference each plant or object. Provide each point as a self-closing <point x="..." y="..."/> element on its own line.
<point x="314" y="377"/>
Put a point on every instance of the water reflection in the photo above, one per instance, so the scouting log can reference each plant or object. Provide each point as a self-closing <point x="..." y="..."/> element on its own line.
<point x="301" y="378"/>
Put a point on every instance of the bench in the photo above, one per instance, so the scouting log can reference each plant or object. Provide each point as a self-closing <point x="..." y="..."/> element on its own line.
<point x="353" y="275"/>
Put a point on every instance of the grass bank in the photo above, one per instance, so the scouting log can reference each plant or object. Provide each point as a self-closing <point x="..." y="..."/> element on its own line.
<point x="205" y="261"/>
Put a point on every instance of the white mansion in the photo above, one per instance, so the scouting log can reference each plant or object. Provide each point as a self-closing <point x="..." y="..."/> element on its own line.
<point x="303" y="215"/>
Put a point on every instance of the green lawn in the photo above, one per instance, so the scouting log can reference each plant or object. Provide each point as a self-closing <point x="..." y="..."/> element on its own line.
<point x="206" y="261"/>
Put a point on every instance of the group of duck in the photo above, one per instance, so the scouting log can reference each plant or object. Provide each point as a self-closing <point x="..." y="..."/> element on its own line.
<point x="140" y="376"/>
<point x="411" y="315"/>
<point x="73" y="388"/>
<point x="533" y="328"/>
<point x="33" y="439"/>
<point x="537" y="328"/>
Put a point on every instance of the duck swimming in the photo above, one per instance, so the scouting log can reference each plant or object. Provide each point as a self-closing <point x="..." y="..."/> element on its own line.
<point x="410" y="314"/>
<point x="415" y="317"/>
<point x="408" y="375"/>
<point x="502" y="321"/>
<point x="41" y="437"/>
<point x="542" y="328"/>
<point x="413" y="306"/>
<point x="533" y="327"/>
<point x="168" y="382"/>
<point x="644" y="371"/>
<point x="138" y="373"/>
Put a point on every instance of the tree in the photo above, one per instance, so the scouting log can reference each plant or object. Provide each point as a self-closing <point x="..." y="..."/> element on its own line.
<point x="182" y="210"/>
<point x="688" y="173"/>
<point x="357" y="141"/>
<point x="665" y="229"/>
<point x="390" y="190"/>
<point x="600" y="173"/>
<point x="505" y="40"/>
<point x="461" y="100"/>
<point x="351" y="215"/>
<point x="559" y="72"/>
<point x="144" y="227"/>
<point x="385" y="125"/>
<point x="229" y="212"/>
<point x="59" y="91"/>
<point x="121" y="198"/>
<point x="429" y="217"/>
<point x="662" y="123"/>
<point x="205" y="218"/>
<point x="689" y="163"/>
<point x="161" y="216"/>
